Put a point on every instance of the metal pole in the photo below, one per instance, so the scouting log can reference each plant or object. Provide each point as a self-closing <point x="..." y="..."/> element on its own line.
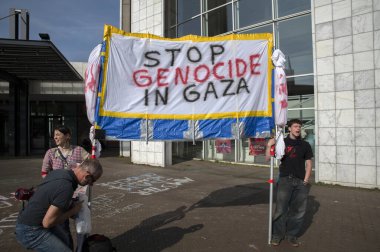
<point x="146" y="130"/>
<point x="270" y="200"/>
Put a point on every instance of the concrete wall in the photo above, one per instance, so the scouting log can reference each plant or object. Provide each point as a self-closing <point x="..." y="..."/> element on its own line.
<point x="147" y="16"/>
<point x="346" y="40"/>
<point x="151" y="153"/>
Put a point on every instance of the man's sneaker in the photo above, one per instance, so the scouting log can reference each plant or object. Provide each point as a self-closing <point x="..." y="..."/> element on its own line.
<point x="293" y="241"/>
<point x="275" y="241"/>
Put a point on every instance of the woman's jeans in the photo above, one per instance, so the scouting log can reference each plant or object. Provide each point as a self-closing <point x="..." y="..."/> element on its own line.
<point x="41" y="239"/>
<point x="290" y="207"/>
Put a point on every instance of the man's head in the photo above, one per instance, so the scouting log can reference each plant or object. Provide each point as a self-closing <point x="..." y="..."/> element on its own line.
<point x="294" y="127"/>
<point x="88" y="172"/>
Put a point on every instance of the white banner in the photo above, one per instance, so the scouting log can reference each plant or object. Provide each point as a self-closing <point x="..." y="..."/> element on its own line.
<point x="91" y="80"/>
<point x="190" y="78"/>
<point x="281" y="89"/>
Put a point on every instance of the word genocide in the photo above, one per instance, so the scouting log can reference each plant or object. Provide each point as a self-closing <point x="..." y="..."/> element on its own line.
<point x="221" y="73"/>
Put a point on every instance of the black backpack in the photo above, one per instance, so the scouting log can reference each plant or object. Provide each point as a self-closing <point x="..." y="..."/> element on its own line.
<point x="98" y="243"/>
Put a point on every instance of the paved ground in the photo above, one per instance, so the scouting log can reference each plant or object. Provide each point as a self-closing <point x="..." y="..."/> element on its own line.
<point x="201" y="206"/>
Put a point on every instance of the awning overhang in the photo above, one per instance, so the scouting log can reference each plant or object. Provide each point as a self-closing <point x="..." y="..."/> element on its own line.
<point x="34" y="60"/>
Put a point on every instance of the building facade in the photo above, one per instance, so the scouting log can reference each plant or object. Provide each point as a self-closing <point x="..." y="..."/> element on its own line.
<point x="333" y="75"/>
<point x="45" y="105"/>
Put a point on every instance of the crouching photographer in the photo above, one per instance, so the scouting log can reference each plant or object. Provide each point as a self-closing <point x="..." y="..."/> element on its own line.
<point x="37" y="225"/>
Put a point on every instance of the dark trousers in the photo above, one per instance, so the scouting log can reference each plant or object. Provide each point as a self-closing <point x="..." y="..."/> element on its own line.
<point x="63" y="232"/>
<point x="291" y="206"/>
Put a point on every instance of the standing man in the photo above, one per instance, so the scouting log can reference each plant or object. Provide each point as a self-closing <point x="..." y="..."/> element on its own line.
<point x="37" y="225"/>
<point x="293" y="186"/>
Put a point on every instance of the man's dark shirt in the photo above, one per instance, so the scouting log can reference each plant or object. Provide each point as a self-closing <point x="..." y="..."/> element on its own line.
<point x="293" y="162"/>
<point x="56" y="189"/>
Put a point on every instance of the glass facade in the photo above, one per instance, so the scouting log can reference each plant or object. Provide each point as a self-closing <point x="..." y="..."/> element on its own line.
<point x="45" y="115"/>
<point x="290" y="23"/>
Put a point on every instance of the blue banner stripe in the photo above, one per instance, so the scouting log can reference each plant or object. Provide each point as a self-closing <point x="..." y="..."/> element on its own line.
<point x="130" y="129"/>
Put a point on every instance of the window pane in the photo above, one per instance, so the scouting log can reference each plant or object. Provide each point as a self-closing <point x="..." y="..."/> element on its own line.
<point x="295" y="42"/>
<point x="191" y="27"/>
<point x="287" y="7"/>
<point x="185" y="150"/>
<point x="187" y="9"/>
<point x="4" y="87"/>
<point x="219" y="152"/>
<point x="252" y="12"/>
<point x="219" y="21"/>
<point x="261" y="29"/>
<point x="300" y="85"/>
<point x="245" y="155"/>
<point x="210" y="4"/>
<point x="37" y="133"/>
<point x="37" y="108"/>
<point x="67" y="109"/>
<point x="54" y="109"/>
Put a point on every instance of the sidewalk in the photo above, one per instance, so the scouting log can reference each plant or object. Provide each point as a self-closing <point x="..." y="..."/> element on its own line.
<point x="201" y="206"/>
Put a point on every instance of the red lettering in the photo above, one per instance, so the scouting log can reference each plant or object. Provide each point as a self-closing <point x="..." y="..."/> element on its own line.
<point x="178" y="74"/>
<point x="196" y="75"/>
<point x="284" y="104"/>
<point x="282" y="89"/>
<point x="161" y="76"/>
<point x="253" y="63"/>
<point x="240" y="72"/>
<point x="215" y="69"/>
<point x="230" y="69"/>
<point x="146" y="79"/>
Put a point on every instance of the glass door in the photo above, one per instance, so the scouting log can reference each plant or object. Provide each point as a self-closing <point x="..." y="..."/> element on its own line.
<point x="42" y="131"/>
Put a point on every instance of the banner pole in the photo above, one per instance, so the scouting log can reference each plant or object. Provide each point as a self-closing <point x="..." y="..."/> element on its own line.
<point x="146" y="130"/>
<point x="270" y="200"/>
<point x="193" y="123"/>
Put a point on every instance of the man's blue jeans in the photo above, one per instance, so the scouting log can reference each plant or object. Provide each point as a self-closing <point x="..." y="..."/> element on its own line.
<point x="291" y="206"/>
<point x="40" y="239"/>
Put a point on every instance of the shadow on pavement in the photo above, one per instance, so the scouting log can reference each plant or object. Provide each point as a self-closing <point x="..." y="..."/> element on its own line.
<point x="148" y="238"/>
<point x="248" y="194"/>
<point x="312" y="209"/>
<point x="251" y="194"/>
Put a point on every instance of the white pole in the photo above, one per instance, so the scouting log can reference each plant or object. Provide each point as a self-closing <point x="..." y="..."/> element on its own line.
<point x="270" y="200"/>
<point x="121" y="15"/>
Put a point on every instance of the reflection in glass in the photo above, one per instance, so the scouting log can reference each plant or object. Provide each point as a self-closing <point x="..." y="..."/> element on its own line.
<point x="261" y="29"/>
<point x="302" y="107"/>
<point x="186" y="150"/>
<point x="37" y="108"/>
<point x="210" y="4"/>
<point x="216" y="154"/>
<point x="191" y="27"/>
<point x="300" y="85"/>
<point x="287" y="7"/>
<point x="187" y="9"/>
<point x="219" y="21"/>
<point x="295" y="42"/>
<point x="251" y="12"/>
<point x="245" y="155"/>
